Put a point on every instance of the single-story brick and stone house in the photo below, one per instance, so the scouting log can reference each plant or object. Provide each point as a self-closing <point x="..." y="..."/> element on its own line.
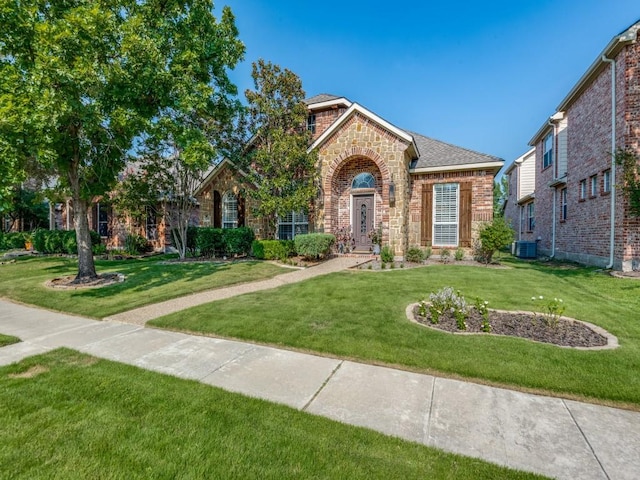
<point x="420" y="191"/>
<point x="577" y="210"/>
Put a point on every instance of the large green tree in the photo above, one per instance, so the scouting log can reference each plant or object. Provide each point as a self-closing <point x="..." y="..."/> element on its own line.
<point x="84" y="83"/>
<point x="281" y="168"/>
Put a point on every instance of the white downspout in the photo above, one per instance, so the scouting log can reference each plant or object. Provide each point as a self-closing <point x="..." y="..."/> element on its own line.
<point x="553" y="209"/>
<point x="613" y="160"/>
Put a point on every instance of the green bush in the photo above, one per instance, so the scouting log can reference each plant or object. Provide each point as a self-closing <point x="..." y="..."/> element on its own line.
<point x="54" y="242"/>
<point x="135" y="244"/>
<point x="273" y="249"/>
<point x="459" y="255"/>
<point x="15" y="239"/>
<point x="386" y="254"/>
<point x="314" y="245"/>
<point x="493" y="236"/>
<point x="69" y="242"/>
<point x="209" y="241"/>
<point x="414" y="254"/>
<point x="237" y="241"/>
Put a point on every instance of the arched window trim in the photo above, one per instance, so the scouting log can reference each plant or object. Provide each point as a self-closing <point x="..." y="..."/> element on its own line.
<point x="364" y="180"/>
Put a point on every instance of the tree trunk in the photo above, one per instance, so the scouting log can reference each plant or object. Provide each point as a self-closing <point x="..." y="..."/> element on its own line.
<point x="86" y="266"/>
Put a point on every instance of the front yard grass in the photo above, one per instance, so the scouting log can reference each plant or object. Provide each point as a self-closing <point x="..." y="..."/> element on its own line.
<point x="148" y="280"/>
<point x="361" y="315"/>
<point x="69" y="415"/>
<point x="7" y="340"/>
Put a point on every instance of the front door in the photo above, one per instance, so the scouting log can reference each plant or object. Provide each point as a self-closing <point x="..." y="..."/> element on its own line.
<point x="362" y="214"/>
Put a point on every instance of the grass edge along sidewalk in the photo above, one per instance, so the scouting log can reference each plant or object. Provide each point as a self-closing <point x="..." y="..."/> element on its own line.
<point x="69" y="412"/>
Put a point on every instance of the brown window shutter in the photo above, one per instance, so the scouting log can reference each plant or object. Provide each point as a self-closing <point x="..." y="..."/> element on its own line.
<point x="217" y="209"/>
<point x="240" y="211"/>
<point x="426" y="216"/>
<point x="465" y="213"/>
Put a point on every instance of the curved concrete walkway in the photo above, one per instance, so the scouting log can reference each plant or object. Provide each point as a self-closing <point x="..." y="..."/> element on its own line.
<point x="142" y="315"/>
<point x="555" y="437"/>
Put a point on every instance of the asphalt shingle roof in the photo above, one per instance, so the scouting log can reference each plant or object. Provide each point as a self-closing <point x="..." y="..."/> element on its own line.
<point x="435" y="153"/>
<point x="322" y="97"/>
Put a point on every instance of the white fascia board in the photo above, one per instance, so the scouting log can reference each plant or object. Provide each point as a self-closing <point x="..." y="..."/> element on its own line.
<point x="329" y="103"/>
<point x="367" y="113"/>
<point x="457" y="168"/>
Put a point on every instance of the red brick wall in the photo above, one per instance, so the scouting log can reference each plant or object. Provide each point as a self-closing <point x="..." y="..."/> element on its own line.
<point x="585" y="235"/>
<point x="482" y="194"/>
<point x="325" y="118"/>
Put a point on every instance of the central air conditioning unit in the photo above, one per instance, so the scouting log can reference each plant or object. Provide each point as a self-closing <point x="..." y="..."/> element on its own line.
<point x="525" y="249"/>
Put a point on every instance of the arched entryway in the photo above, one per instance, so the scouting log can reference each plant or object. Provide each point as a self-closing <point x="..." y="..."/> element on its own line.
<point x="357" y="200"/>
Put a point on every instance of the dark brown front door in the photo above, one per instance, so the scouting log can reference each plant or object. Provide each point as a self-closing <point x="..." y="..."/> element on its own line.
<point x="362" y="214"/>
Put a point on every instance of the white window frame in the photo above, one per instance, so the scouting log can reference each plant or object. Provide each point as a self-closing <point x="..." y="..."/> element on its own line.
<point x="583" y="189"/>
<point x="311" y="123"/>
<point x="229" y="210"/>
<point x="297" y="220"/>
<point x="563" y="204"/>
<point x="547" y="151"/>
<point x="453" y="220"/>
<point x="531" y="217"/>
<point x="606" y="181"/>
<point x="594" y="185"/>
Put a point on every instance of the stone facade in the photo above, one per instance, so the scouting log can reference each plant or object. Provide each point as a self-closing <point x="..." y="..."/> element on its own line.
<point x="584" y="235"/>
<point x="351" y="140"/>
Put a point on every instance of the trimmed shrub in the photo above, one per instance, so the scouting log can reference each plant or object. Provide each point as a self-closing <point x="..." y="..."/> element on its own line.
<point x="69" y="242"/>
<point x="459" y="255"/>
<point x="314" y="245"/>
<point x="414" y="254"/>
<point x="15" y="239"/>
<point x="209" y="241"/>
<point x="237" y="241"/>
<point x="273" y="249"/>
<point x="386" y="254"/>
<point x="38" y="237"/>
<point x="54" y="242"/>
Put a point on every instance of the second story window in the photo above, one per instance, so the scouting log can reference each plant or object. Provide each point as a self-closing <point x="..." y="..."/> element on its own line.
<point x="593" y="191"/>
<point x="606" y="181"/>
<point x="547" y="149"/>
<point x="311" y="123"/>
<point x="583" y="189"/>
<point x="563" y="204"/>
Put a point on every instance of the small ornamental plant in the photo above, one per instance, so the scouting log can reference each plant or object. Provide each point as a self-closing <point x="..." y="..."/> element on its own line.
<point x="551" y="310"/>
<point x="445" y="255"/>
<point x="482" y="307"/>
<point x="447" y="300"/>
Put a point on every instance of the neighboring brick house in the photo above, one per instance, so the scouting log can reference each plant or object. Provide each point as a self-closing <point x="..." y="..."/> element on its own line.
<point x="580" y="214"/>
<point x="373" y="174"/>
<point x="520" y="208"/>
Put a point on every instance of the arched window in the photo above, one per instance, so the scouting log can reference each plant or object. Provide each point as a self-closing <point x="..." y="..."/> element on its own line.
<point x="229" y="211"/>
<point x="363" y="180"/>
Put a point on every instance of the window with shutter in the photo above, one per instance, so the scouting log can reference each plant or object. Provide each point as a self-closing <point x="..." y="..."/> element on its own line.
<point x="445" y="214"/>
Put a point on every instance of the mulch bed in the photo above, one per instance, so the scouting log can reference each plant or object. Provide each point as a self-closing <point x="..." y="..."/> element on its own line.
<point x="69" y="283"/>
<point x="567" y="332"/>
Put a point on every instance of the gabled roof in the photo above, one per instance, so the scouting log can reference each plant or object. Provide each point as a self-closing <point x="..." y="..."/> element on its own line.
<point x="326" y="100"/>
<point x="436" y="155"/>
<point x="214" y="171"/>
<point x="352" y="110"/>
<point x="520" y="160"/>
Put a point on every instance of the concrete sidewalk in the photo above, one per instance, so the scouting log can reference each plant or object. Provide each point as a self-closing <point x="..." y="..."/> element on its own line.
<point x="551" y="436"/>
<point x="142" y="315"/>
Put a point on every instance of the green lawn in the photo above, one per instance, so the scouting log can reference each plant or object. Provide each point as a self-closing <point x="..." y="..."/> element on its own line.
<point x="7" y="340"/>
<point x="148" y="280"/>
<point x="68" y="415"/>
<point x="361" y="315"/>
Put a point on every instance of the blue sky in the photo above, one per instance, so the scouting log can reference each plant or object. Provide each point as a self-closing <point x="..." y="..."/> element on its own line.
<point x="483" y="75"/>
